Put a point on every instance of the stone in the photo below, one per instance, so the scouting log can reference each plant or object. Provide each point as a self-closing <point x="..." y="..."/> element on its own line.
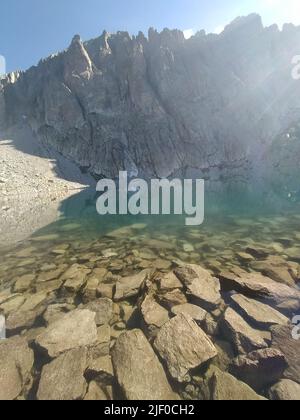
<point x="105" y="291"/>
<point x="244" y="257"/>
<point x="95" y="393"/>
<point x="259" y="368"/>
<point x="89" y="293"/>
<point x="285" y="390"/>
<point x="101" y="347"/>
<point x="49" y="286"/>
<point x="195" y="312"/>
<point x="63" y="379"/>
<point x="257" y="285"/>
<point x="16" y="363"/>
<point x="128" y="287"/>
<point x="138" y="370"/>
<point x="172" y="298"/>
<point x="54" y="312"/>
<point x="154" y="315"/>
<point x="169" y="282"/>
<point x="277" y="269"/>
<point x="245" y="338"/>
<point x="75" y="278"/>
<point x="73" y="330"/>
<point x="161" y="264"/>
<point x="260" y="314"/>
<point x="47" y="275"/>
<point x="221" y="386"/>
<point x="103" y="309"/>
<point x="101" y="370"/>
<point x="24" y="283"/>
<point x="18" y="321"/>
<point x="12" y="304"/>
<point x="283" y="340"/>
<point x="183" y="346"/>
<point x="201" y="285"/>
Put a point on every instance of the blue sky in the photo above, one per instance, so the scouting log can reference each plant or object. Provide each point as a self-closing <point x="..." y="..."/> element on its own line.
<point x="33" y="29"/>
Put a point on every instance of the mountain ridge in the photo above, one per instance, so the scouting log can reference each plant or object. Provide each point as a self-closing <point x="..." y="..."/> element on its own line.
<point x="163" y="106"/>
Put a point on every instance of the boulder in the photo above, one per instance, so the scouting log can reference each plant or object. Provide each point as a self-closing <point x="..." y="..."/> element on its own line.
<point x="154" y="315"/>
<point x="259" y="368"/>
<point x="101" y="370"/>
<point x="63" y="379"/>
<point x="16" y="363"/>
<point x="183" y="346"/>
<point x="195" y="312"/>
<point x="73" y="330"/>
<point x="169" y="282"/>
<point x="260" y="314"/>
<point x="285" y="390"/>
<point x="201" y="285"/>
<point x="75" y="278"/>
<point x="245" y="338"/>
<point x="283" y="340"/>
<point x="277" y="269"/>
<point x="256" y="285"/>
<point x="138" y="369"/>
<point x="103" y="309"/>
<point x="128" y="287"/>
<point x="96" y="393"/>
<point x="172" y="298"/>
<point x="221" y="386"/>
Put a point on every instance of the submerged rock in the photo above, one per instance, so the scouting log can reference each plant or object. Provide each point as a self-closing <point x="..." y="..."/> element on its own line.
<point x="201" y="285"/>
<point x="183" y="346"/>
<point x="138" y="370"/>
<point x="73" y="330"/>
<point x="128" y="287"/>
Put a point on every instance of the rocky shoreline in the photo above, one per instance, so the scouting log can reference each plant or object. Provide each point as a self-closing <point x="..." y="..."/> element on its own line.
<point x="170" y="330"/>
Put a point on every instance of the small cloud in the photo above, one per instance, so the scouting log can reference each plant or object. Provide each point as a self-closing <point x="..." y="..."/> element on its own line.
<point x="219" y="29"/>
<point x="188" y="33"/>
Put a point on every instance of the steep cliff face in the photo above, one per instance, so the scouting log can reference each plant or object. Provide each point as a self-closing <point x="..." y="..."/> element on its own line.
<point x="163" y="105"/>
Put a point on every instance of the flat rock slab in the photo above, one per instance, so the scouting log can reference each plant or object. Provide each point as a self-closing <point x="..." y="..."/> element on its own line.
<point x="257" y="285"/>
<point x="169" y="282"/>
<point x="128" y="287"/>
<point x="201" y="285"/>
<point x="63" y="379"/>
<point x="245" y="338"/>
<point x="183" y="346"/>
<point x="225" y="387"/>
<point x="260" y="368"/>
<point x="259" y="313"/>
<point x="138" y="369"/>
<point x="16" y="363"/>
<point x="283" y="340"/>
<point x="285" y="390"/>
<point x="73" y="330"/>
<point x="103" y="309"/>
<point x="154" y="315"/>
<point x="195" y="312"/>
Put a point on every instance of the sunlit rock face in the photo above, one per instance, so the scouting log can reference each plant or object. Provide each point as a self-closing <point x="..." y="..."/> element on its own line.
<point x="161" y="106"/>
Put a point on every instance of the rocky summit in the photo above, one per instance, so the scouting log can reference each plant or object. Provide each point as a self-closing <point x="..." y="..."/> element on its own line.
<point x="164" y="105"/>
